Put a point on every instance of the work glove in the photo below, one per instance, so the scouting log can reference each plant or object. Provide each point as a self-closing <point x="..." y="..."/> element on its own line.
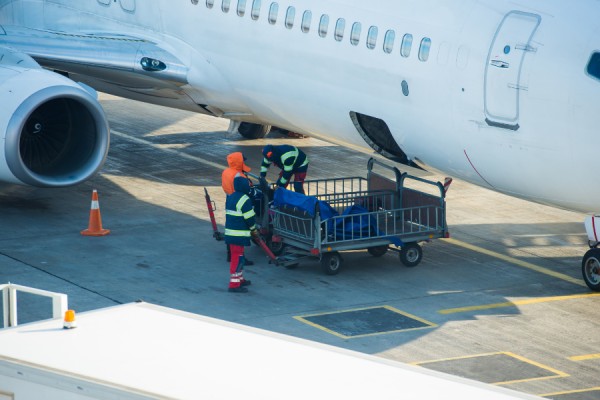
<point x="254" y="234"/>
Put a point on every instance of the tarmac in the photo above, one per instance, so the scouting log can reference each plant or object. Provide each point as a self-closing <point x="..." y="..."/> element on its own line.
<point x="502" y="301"/>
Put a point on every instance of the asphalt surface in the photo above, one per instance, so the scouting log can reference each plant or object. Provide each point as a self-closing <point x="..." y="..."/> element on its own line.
<point x="502" y="301"/>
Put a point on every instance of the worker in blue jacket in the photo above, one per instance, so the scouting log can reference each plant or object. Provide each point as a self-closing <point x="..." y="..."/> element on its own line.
<point x="240" y="227"/>
<point x="291" y="160"/>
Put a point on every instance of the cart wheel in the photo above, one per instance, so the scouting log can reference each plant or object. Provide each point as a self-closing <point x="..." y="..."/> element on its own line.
<point x="331" y="263"/>
<point x="411" y="254"/>
<point x="590" y="267"/>
<point x="276" y="247"/>
<point x="378" y="251"/>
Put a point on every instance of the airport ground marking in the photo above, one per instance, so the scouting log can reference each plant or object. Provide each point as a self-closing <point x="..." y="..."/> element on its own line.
<point x="302" y="318"/>
<point x="516" y="261"/>
<point x="557" y="373"/>
<point x="517" y="303"/>
<point x="585" y="357"/>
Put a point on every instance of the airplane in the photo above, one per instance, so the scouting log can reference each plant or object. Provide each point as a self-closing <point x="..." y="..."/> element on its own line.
<point x="500" y="93"/>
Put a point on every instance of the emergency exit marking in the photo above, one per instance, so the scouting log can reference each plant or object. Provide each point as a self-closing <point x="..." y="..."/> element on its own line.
<point x="362" y="322"/>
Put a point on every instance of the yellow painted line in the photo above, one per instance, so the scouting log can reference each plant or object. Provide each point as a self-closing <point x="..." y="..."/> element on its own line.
<point x="558" y="374"/>
<point x="518" y="262"/>
<point x="585" y="357"/>
<point x="430" y="324"/>
<point x="320" y="327"/>
<point x="594" y="389"/>
<point x="516" y="303"/>
<point x="454" y="358"/>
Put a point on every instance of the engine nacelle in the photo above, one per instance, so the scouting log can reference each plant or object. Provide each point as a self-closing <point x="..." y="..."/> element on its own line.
<point x="54" y="132"/>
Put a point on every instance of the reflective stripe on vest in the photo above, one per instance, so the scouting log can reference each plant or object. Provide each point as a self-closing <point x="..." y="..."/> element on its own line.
<point x="238" y="213"/>
<point x="265" y="165"/>
<point x="284" y="157"/>
<point x="238" y="209"/>
<point x="234" y="232"/>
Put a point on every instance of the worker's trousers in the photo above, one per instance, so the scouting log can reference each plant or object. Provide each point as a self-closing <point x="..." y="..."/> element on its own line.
<point x="299" y="177"/>
<point x="236" y="265"/>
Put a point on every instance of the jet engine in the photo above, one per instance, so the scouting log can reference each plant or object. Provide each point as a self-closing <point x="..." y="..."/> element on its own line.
<point x="54" y="132"/>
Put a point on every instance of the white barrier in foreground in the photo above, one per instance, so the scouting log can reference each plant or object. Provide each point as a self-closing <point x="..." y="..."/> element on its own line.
<point x="9" y="302"/>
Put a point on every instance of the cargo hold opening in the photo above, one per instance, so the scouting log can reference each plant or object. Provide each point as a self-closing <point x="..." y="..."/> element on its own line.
<point x="377" y="135"/>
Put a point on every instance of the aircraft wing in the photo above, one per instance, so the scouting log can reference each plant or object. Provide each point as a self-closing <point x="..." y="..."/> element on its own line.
<point x="53" y="127"/>
<point x="126" y="61"/>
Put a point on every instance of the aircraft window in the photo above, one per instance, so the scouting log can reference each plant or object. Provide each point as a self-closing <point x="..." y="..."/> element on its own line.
<point x="226" y="5"/>
<point x="424" y="49"/>
<point x="388" y="41"/>
<point x="289" y="17"/>
<point x="306" y="18"/>
<point x="194" y="2"/>
<point x="255" y="10"/>
<point x="593" y="67"/>
<point x="405" y="90"/>
<point x="355" y="33"/>
<point x="241" y="8"/>
<point x="372" y="37"/>
<point x="406" y="45"/>
<point x="323" y="25"/>
<point x="210" y="3"/>
<point x="340" y="25"/>
<point x="273" y="10"/>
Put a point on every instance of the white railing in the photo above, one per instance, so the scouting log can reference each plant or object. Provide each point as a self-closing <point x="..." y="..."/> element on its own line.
<point x="9" y="302"/>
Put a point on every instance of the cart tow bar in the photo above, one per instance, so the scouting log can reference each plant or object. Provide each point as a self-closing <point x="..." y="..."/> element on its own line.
<point x="211" y="211"/>
<point x="259" y="241"/>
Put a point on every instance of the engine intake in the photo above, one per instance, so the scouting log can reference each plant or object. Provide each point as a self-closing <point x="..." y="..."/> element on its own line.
<point x="57" y="134"/>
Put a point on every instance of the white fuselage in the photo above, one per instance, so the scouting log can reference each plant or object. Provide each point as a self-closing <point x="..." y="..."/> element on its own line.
<point x="503" y="99"/>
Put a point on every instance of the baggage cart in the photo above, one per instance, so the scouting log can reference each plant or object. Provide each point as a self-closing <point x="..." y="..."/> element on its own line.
<point x="375" y="213"/>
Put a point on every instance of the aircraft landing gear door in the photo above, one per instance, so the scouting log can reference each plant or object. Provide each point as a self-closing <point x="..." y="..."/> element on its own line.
<point x="503" y="71"/>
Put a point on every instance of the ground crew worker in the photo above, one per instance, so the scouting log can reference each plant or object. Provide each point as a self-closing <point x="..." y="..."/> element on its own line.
<point x="240" y="226"/>
<point x="237" y="167"/>
<point x="291" y="160"/>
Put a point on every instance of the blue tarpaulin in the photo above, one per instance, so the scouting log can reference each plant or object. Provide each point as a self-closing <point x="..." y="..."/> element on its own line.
<point x="351" y="226"/>
<point x="359" y="223"/>
<point x="356" y="224"/>
<point x="303" y="202"/>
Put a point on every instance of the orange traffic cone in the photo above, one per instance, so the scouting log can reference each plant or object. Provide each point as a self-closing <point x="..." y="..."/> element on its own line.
<point x="95" y="225"/>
